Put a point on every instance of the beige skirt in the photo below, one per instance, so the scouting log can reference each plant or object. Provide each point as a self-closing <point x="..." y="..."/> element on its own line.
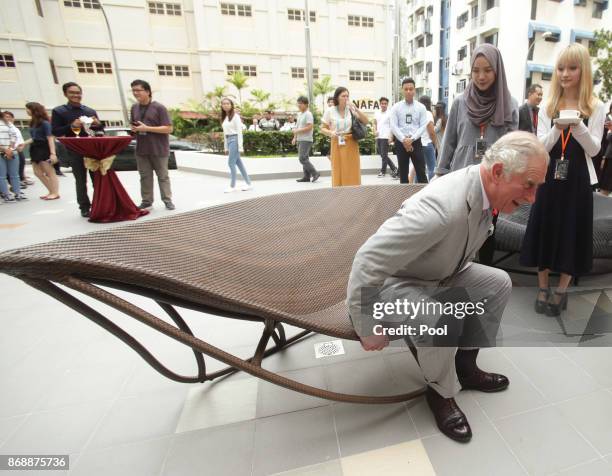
<point x="345" y="162"/>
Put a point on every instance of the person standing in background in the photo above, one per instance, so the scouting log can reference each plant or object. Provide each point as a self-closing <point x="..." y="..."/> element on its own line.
<point x="152" y="126"/>
<point x="408" y="121"/>
<point x="528" y="112"/>
<point x="232" y="133"/>
<point x="65" y="122"/>
<point x="42" y="149"/>
<point x="605" y="176"/>
<point x="559" y="234"/>
<point x="479" y="116"/>
<point x="303" y="136"/>
<point x="9" y="118"/>
<point x="9" y="163"/>
<point x="440" y="126"/>
<point x="269" y="122"/>
<point x="429" y="138"/>
<point x="382" y="132"/>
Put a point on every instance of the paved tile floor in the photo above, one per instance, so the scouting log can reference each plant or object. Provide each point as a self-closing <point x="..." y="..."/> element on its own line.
<point x="69" y="387"/>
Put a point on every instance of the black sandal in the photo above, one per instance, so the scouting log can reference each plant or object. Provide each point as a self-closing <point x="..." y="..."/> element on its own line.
<point x="540" y="306"/>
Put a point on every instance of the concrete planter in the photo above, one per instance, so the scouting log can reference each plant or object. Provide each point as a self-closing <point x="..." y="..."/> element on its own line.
<point x="264" y="168"/>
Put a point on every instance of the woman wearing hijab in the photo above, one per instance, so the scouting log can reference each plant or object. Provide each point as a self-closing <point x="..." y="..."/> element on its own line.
<point x="481" y="115"/>
<point x="559" y="235"/>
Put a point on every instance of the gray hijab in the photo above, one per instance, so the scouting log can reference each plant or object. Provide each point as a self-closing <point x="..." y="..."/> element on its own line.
<point x="495" y="104"/>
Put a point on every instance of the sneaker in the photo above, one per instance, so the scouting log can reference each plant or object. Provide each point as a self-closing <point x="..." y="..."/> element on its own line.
<point x="315" y="177"/>
<point x="145" y="205"/>
<point x="303" y="179"/>
<point x="29" y="181"/>
<point x="21" y="196"/>
<point x="394" y="174"/>
<point x="246" y="187"/>
<point x="23" y="184"/>
<point x="8" y="199"/>
<point x="381" y="174"/>
<point x="170" y="206"/>
<point x="230" y="190"/>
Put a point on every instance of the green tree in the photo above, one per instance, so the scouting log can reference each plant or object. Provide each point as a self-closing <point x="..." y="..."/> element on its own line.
<point x="601" y="48"/>
<point x="260" y="97"/>
<point x="322" y="88"/>
<point x="239" y="81"/>
<point x="214" y="97"/>
<point x="403" y="68"/>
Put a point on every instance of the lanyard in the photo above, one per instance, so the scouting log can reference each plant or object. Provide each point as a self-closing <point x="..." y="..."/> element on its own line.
<point x="564" y="142"/>
<point x="483" y="127"/>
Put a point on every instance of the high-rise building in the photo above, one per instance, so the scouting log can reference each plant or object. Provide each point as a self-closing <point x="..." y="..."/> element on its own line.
<point x="529" y="33"/>
<point x="185" y="48"/>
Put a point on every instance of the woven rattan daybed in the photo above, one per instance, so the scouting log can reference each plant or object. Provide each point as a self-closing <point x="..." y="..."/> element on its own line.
<point x="281" y="259"/>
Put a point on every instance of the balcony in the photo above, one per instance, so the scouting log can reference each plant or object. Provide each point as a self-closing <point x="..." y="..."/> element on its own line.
<point x="489" y="19"/>
<point x="419" y="55"/>
<point x="421" y="80"/>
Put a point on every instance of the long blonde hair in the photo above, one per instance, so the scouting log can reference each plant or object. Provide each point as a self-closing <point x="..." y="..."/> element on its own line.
<point x="578" y="54"/>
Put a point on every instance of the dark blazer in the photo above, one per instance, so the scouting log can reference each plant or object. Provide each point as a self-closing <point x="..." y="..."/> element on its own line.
<point x="525" y="119"/>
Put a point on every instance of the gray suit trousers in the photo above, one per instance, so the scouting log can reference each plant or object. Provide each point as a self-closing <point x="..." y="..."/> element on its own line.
<point x="480" y="283"/>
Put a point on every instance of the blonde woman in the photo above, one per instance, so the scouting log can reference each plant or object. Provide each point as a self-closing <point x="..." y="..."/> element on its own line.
<point x="559" y="234"/>
<point x="344" y="155"/>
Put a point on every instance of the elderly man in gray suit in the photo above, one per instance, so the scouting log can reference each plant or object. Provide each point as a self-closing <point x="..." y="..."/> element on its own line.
<point x="427" y="247"/>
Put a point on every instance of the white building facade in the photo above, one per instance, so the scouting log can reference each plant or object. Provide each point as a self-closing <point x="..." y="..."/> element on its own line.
<point x="185" y="48"/>
<point x="529" y="33"/>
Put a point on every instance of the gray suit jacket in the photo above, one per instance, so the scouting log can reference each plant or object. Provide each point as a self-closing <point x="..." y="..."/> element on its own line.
<point x="433" y="236"/>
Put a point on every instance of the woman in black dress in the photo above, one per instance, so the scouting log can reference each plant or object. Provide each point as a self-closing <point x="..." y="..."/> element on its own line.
<point x="559" y="234"/>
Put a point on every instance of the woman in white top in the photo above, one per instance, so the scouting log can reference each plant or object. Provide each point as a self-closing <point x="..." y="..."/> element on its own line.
<point x="559" y="235"/>
<point x="344" y="155"/>
<point x="232" y="133"/>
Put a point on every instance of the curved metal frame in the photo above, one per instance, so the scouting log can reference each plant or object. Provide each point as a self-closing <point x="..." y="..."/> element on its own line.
<point x="182" y="333"/>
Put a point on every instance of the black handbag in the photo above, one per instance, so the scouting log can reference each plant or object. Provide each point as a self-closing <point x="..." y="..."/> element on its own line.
<point x="358" y="130"/>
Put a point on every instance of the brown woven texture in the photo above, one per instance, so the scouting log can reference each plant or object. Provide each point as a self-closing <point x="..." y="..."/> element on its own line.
<point x="285" y="257"/>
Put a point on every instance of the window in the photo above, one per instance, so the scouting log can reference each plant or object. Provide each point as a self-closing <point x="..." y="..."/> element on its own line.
<point x="462" y="20"/>
<point x="420" y="42"/>
<point x="91" y="4"/>
<point x="103" y="68"/>
<point x="475" y="11"/>
<point x="447" y="33"/>
<point x="247" y="70"/>
<point x="172" y="70"/>
<point x="356" y="20"/>
<point x="297" y="73"/>
<point x="181" y="70"/>
<point x="491" y="39"/>
<point x="418" y="69"/>
<point x="236" y="9"/>
<point x="428" y="39"/>
<point x="447" y="62"/>
<point x="315" y="73"/>
<point x="430" y="11"/>
<point x="598" y="9"/>
<point x="53" y="71"/>
<point x="21" y="123"/>
<point x="462" y="53"/>
<point x="492" y="4"/>
<point x="445" y="92"/>
<point x="7" y="61"/>
<point x="161" y="8"/>
<point x="165" y="70"/>
<point x="85" y="67"/>
<point x="428" y="67"/>
<point x="40" y="10"/>
<point x="461" y="86"/>
<point x="361" y="76"/>
<point x="299" y="15"/>
<point x="546" y="76"/>
<point x="472" y="45"/>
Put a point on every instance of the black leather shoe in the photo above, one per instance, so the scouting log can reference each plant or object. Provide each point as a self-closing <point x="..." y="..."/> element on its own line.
<point x="170" y="206"/>
<point x="484" y="381"/>
<point x="145" y="205"/>
<point x="315" y="177"/>
<point x="540" y="305"/>
<point x="303" y="179"/>
<point x="450" y="419"/>
<point x="85" y="213"/>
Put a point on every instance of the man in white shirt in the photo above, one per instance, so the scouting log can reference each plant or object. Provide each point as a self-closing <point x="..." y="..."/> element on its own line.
<point x="382" y="131"/>
<point x="255" y="126"/>
<point x="289" y="125"/>
<point x="408" y="121"/>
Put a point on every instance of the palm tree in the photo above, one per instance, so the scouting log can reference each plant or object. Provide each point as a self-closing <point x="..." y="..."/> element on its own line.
<point x="214" y="97"/>
<point x="260" y="97"/>
<point x="322" y="88"/>
<point x="239" y="80"/>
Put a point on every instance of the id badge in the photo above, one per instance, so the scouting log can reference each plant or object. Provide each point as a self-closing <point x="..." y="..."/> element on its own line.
<point x="341" y="140"/>
<point x="481" y="148"/>
<point x="561" y="169"/>
<point x="408" y="118"/>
